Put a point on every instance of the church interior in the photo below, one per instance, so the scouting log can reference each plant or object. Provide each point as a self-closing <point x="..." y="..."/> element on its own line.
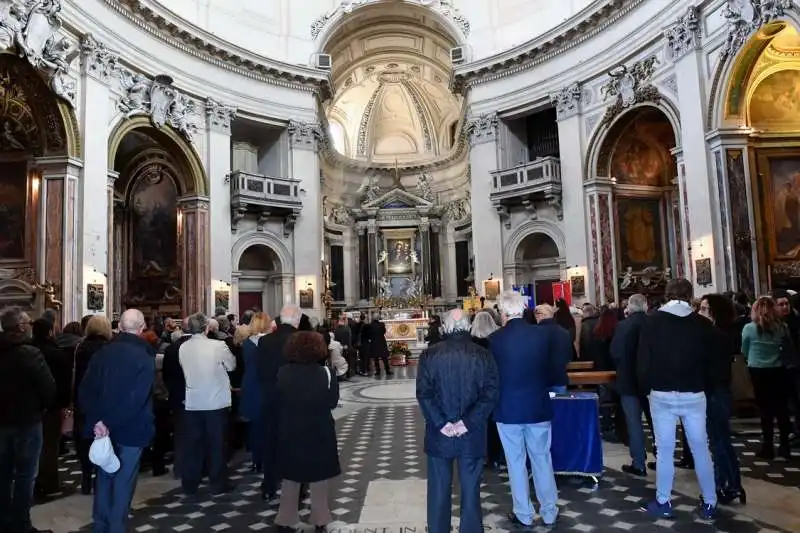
<point x="398" y="159"/>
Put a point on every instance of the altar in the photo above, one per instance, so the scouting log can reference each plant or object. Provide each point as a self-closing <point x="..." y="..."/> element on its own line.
<point x="401" y="328"/>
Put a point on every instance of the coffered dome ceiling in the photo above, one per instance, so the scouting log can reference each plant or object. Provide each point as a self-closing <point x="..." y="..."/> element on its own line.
<point x="391" y="75"/>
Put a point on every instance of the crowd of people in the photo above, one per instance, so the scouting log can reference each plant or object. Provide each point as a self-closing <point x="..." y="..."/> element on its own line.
<point x="485" y="386"/>
<point x="496" y="375"/>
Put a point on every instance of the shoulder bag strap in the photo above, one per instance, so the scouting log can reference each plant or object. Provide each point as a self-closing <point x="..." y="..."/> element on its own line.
<point x="72" y="386"/>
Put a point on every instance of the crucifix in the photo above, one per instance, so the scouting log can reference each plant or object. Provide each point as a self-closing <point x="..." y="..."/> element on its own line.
<point x="396" y="178"/>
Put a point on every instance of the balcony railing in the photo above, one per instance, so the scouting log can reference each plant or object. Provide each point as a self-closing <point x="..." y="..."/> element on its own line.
<point x="540" y="176"/>
<point x="265" y="196"/>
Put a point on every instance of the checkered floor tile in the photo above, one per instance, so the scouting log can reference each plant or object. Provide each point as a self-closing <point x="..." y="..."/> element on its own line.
<point x="385" y="443"/>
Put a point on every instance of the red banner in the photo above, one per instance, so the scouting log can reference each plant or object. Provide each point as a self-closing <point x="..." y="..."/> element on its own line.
<point x="562" y="290"/>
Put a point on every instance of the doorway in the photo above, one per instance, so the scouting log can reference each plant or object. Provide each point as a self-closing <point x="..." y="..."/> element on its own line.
<point x="249" y="301"/>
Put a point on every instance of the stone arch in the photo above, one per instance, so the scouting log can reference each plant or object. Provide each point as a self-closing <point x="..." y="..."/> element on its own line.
<point x="262" y="238"/>
<point x="605" y="137"/>
<point x="732" y="71"/>
<point x="531" y="227"/>
<point x="333" y="23"/>
<point x="196" y="179"/>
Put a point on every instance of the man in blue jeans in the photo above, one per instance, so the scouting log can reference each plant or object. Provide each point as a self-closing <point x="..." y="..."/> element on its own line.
<point x="527" y="370"/>
<point x="115" y="395"/>
<point x="624" y="349"/>
<point x="27" y="389"/>
<point x="675" y="366"/>
<point x="456" y="390"/>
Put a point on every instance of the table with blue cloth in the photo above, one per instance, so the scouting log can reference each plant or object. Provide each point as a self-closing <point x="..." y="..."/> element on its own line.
<point x="577" y="449"/>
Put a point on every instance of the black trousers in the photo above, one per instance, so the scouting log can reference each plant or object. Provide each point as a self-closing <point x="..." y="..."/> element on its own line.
<point x="440" y="491"/>
<point x="48" y="480"/>
<point x="205" y="435"/>
<point x="376" y="366"/>
<point x="771" y="389"/>
<point x="161" y="441"/>
<point x="269" y="458"/>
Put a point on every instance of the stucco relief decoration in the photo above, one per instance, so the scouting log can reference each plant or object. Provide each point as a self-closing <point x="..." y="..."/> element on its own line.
<point x="445" y="7"/>
<point x="630" y="86"/>
<point x="304" y="134"/>
<point x="458" y="209"/>
<point x="97" y="60"/>
<point x="683" y="36"/>
<point x="369" y="189"/>
<point x="567" y="101"/>
<point x="31" y="29"/>
<point x="336" y="213"/>
<point x="483" y="129"/>
<point x="159" y="99"/>
<point x="746" y="16"/>
<point x="219" y="115"/>
<point x="424" y="189"/>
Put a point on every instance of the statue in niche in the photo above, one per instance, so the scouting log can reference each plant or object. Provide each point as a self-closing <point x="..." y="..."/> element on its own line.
<point x="384" y="288"/>
<point x="627" y="279"/>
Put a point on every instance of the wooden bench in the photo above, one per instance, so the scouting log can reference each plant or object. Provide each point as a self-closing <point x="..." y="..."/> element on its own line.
<point x="576" y="366"/>
<point x="591" y="378"/>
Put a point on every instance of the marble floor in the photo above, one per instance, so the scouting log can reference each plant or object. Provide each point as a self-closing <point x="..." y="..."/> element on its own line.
<point x="382" y="488"/>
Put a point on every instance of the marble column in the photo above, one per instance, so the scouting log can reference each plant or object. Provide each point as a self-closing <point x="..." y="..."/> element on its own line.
<point x="193" y="217"/>
<point x="235" y="293"/>
<point x="218" y="166"/>
<point x="372" y="257"/>
<point x="450" y="281"/>
<point x="349" y="243"/>
<point x="59" y="232"/>
<point x="308" y="234"/>
<point x="436" y="261"/>
<point x="111" y="180"/>
<point x="602" y="265"/>
<point x="98" y="65"/>
<point x="571" y="159"/>
<point x="287" y="290"/>
<point x="363" y="261"/>
<point x="701" y="201"/>
<point x="487" y="233"/>
<point x="425" y="246"/>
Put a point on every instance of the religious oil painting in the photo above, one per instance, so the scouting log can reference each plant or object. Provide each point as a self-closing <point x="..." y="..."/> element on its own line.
<point x="642" y="154"/>
<point x="784" y="184"/>
<point x="154" y="225"/>
<point x="640" y="236"/>
<point x="13" y="200"/>
<point x="400" y="256"/>
<point x="775" y="104"/>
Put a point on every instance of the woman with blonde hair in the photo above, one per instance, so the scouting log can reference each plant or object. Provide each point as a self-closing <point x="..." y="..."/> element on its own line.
<point x="97" y="334"/>
<point x="251" y="408"/>
<point x="762" y="341"/>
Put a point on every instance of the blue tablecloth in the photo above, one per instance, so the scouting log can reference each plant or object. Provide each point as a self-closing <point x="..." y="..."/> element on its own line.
<point x="576" y="447"/>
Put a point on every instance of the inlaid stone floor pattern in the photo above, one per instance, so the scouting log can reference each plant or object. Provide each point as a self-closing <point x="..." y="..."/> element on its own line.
<point x="382" y="446"/>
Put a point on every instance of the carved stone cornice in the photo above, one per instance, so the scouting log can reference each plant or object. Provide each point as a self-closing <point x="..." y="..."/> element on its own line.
<point x="567" y="101"/>
<point x="304" y="135"/>
<point x="746" y="16"/>
<point x="483" y="129"/>
<point x="97" y="60"/>
<point x="683" y="36"/>
<point x="219" y="116"/>
<point x="201" y="44"/>
<point x="630" y="85"/>
<point x="572" y="33"/>
<point x="194" y="203"/>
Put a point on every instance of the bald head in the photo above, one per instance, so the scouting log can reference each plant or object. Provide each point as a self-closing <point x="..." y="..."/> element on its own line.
<point x="132" y="321"/>
<point x="290" y="315"/>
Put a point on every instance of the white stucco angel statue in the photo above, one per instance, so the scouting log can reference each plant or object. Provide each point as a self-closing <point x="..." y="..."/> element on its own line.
<point x="413" y="256"/>
<point x="384" y="255"/>
<point x="627" y="278"/>
<point x="413" y="287"/>
<point x="384" y="288"/>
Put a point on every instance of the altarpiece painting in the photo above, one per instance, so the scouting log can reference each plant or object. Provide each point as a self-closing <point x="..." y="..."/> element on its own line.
<point x="782" y="205"/>
<point x="13" y="203"/>
<point x="399" y="259"/>
<point x="639" y="224"/>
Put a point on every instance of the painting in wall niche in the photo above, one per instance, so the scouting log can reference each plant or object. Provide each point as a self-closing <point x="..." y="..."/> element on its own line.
<point x="783" y="191"/>
<point x="307" y="298"/>
<point x="399" y="260"/>
<point x="775" y="104"/>
<point x="640" y="233"/>
<point x="222" y="299"/>
<point x="578" y="285"/>
<point x="642" y="154"/>
<point x="13" y="202"/>
<point x="155" y="225"/>
<point x="95" y="296"/>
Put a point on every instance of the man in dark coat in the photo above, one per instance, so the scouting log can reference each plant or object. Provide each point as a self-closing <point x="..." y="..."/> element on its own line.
<point x="271" y="359"/>
<point x="27" y="389"/>
<point x="378" y="347"/>
<point x="116" y="397"/>
<point x="624" y="349"/>
<point x="457" y="390"/>
<point x="175" y="382"/>
<point x="560" y="341"/>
